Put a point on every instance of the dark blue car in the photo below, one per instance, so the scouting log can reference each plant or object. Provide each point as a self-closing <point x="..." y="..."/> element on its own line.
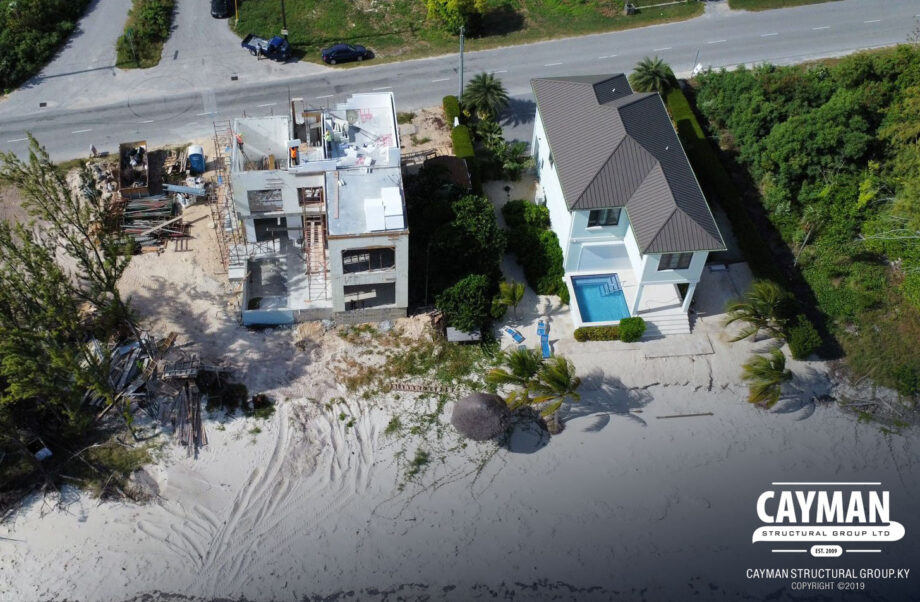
<point x="342" y="53"/>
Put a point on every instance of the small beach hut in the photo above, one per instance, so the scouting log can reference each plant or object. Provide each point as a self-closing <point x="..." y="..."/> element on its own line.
<point x="480" y="416"/>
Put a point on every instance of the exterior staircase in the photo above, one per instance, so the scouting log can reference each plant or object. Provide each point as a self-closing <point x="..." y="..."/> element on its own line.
<point x="663" y="323"/>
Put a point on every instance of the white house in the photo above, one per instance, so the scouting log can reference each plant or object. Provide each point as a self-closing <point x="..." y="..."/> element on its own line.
<point x="634" y="226"/>
<point x="318" y="202"/>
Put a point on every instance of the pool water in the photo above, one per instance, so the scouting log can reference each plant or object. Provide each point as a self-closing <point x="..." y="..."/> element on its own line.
<point x="600" y="298"/>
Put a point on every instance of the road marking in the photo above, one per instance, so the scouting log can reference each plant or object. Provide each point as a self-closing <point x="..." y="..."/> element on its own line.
<point x="606" y="56"/>
<point x="382" y="88"/>
<point x="148" y="121"/>
<point x="18" y="140"/>
<point x="716" y="41"/>
<point x="443" y="79"/>
<point x="268" y="104"/>
<point x="326" y="96"/>
<point x="203" y="114"/>
<point x="657" y="49"/>
<point x="501" y="71"/>
<point x="767" y="35"/>
<point x="873" y="21"/>
<point x="81" y="131"/>
<point x="551" y="64"/>
<point x="820" y="28"/>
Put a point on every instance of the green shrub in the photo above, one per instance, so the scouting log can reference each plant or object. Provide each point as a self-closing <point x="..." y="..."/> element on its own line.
<point x="563" y="292"/>
<point x="404" y="117"/>
<point x="597" y="333"/>
<point x="631" y="329"/>
<point x="907" y="380"/>
<point x="146" y="30"/>
<point x="451" y="106"/>
<point x="462" y="143"/>
<point x="467" y="305"/>
<point x="499" y="309"/>
<point x="522" y="212"/>
<point x="803" y="338"/>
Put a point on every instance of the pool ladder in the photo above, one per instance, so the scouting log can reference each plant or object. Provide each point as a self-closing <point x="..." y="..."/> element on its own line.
<point x="611" y="286"/>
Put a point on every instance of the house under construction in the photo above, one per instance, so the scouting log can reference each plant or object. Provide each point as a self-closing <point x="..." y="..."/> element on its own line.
<point x="314" y="221"/>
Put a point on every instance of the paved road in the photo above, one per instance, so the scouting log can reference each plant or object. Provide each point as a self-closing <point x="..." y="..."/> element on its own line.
<point x="180" y="98"/>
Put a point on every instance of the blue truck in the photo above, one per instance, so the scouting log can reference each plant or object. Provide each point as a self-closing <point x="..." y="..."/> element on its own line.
<point x="276" y="48"/>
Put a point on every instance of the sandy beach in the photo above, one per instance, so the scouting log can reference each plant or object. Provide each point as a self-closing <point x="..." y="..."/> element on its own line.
<point x="316" y="502"/>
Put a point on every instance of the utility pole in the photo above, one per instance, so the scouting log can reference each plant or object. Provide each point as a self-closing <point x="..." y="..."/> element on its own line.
<point x="462" y="31"/>
<point x="284" y="31"/>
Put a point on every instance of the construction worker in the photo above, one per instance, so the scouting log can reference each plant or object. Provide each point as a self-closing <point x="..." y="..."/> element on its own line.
<point x="328" y="141"/>
<point x="92" y="150"/>
<point x="239" y="141"/>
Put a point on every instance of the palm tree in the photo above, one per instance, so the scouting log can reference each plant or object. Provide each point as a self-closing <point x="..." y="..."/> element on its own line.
<point x="491" y="135"/>
<point x="766" y="375"/>
<point x="511" y="294"/>
<point x="515" y="159"/>
<point x="556" y="383"/>
<point x="519" y="368"/>
<point x="485" y="95"/>
<point x="652" y="75"/>
<point x="760" y="309"/>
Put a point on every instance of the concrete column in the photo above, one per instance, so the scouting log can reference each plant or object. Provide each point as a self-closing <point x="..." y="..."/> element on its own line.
<point x="688" y="298"/>
<point x="635" y="307"/>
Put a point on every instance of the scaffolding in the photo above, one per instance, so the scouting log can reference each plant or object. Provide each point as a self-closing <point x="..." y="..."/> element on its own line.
<point x="230" y="240"/>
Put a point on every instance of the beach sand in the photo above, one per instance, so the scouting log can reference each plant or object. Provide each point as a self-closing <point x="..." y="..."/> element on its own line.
<point x="623" y="504"/>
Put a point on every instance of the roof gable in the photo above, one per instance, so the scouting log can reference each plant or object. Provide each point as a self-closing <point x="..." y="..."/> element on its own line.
<point x="613" y="148"/>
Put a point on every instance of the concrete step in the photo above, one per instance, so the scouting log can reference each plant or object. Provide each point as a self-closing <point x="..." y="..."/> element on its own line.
<point x="664" y="324"/>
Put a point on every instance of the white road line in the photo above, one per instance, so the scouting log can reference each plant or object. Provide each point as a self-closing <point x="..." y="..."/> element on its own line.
<point x="606" y="56"/>
<point x="767" y="35"/>
<point x="268" y="104"/>
<point x="820" y="28"/>
<point x="501" y="71"/>
<point x="716" y="41"/>
<point x="326" y="96"/>
<point x="81" y="131"/>
<point x="657" y="49"/>
<point x="443" y="79"/>
<point x="18" y="140"/>
<point x="148" y="121"/>
<point x="382" y="88"/>
<point x="551" y="64"/>
<point x="203" y="114"/>
<point x="873" y="21"/>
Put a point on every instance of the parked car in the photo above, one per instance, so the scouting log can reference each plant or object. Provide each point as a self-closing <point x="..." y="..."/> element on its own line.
<point x="221" y="9"/>
<point x="276" y="48"/>
<point x="342" y="53"/>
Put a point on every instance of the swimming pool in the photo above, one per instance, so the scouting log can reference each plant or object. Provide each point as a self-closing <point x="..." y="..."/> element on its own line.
<point x="600" y="298"/>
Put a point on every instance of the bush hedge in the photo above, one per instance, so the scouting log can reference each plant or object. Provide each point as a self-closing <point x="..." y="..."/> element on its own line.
<point x="803" y="338"/>
<point x="462" y="143"/>
<point x="451" y="106"/>
<point x="146" y="30"/>
<point x="631" y="329"/>
<point x="521" y="212"/>
<point x="628" y="331"/>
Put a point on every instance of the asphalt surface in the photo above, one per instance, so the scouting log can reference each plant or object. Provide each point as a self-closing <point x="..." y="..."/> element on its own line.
<point x="88" y="101"/>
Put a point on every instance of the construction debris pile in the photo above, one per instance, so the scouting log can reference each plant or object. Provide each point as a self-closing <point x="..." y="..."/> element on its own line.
<point x="133" y="158"/>
<point x="160" y="380"/>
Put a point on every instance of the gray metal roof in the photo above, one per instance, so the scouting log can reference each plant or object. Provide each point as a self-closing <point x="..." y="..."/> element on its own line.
<point x="613" y="147"/>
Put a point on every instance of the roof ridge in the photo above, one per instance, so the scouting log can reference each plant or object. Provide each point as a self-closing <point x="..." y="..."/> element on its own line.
<point x="600" y="169"/>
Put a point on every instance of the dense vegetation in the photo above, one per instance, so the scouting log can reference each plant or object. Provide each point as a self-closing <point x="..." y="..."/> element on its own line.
<point x="146" y="30"/>
<point x="58" y="290"/>
<point x="769" y="4"/>
<point x="832" y="150"/>
<point x="31" y="31"/>
<point x="536" y="247"/>
<point x="628" y="330"/>
<point x="401" y="29"/>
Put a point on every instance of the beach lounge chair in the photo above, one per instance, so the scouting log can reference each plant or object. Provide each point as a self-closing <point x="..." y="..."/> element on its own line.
<point x="541" y="328"/>
<point x="514" y="334"/>
<point x="544" y="346"/>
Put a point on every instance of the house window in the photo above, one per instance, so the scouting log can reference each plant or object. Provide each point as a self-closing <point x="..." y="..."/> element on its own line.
<point x="365" y="260"/>
<point x="265" y="200"/>
<point x="604" y="217"/>
<point x="674" y="261"/>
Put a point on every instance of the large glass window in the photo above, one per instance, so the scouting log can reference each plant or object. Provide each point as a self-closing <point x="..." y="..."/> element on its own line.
<point x="365" y="260"/>
<point x="675" y="261"/>
<point x="604" y="217"/>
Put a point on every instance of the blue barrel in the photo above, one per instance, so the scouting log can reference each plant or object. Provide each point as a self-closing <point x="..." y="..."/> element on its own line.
<point x="196" y="159"/>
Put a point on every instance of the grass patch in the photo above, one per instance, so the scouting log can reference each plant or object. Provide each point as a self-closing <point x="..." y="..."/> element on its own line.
<point x="146" y="30"/>
<point x="400" y="30"/>
<point x="104" y="469"/>
<point x="770" y="4"/>
<point x="404" y="117"/>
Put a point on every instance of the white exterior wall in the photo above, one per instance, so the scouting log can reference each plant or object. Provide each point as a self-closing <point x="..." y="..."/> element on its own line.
<point x="651" y="275"/>
<point x="399" y="273"/>
<point x="632" y="250"/>
<point x="559" y="215"/>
